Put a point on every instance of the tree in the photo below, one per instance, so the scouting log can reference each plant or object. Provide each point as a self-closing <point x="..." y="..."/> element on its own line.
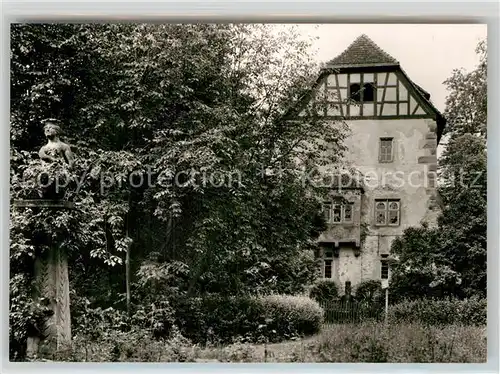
<point x="178" y="102"/>
<point x="466" y="105"/>
<point x="451" y="259"/>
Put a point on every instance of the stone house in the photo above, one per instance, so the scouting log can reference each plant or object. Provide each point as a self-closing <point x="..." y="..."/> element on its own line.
<point x="394" y="133"/>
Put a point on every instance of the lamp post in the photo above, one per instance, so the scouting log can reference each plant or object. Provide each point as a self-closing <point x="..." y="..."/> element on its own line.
<point x="385" y="286"/>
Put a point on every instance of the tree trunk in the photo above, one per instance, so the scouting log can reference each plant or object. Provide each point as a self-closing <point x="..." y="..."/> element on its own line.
<point x="127" y="276"/>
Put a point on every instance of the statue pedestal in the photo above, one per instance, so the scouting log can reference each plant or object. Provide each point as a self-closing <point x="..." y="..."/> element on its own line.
<point x="51" y="284"/>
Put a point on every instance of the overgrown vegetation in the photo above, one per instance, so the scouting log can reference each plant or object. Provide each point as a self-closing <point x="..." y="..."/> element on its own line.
<point x="440" y="312"/>
<point x="219" y="319"/>
<point x="170" y="105"/>
<point x="170" y="270"/>
<point x="450" y="260"/>
<point x="324" y="291"/>
<point x="368" y="342"/>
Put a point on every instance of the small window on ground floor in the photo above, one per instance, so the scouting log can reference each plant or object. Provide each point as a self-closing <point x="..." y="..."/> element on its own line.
<point x="384" y="269"/>
<point x="328" y="269"/>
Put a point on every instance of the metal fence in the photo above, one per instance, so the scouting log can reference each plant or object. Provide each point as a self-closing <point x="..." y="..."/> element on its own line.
<point x="337" y="312"/>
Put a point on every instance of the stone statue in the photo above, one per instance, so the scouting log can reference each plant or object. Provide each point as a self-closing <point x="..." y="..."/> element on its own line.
<point x="51" y="275"/>
<point x="53" y="186"/>
<point x="55" y="149"/>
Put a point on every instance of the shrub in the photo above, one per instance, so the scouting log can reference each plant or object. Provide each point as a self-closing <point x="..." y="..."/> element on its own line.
<point x="324" y="291"/>
<point x="290" y="316"/>
<point x="370" y="291"/>
<point x="136" y="345"/>
<point x="223" y="320"/>
<point x="217" y="319"/>
<point x="440" y="312"/>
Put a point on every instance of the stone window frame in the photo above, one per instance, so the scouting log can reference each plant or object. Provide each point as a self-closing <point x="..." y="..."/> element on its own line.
<point x="328" y="255"/>
<point x="386" y="150"/>
<point x="331" y="207"/>
<point x="388" y="209"/>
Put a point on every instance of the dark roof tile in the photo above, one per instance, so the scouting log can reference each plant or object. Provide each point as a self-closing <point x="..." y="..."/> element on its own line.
<point x="362" y="52"/>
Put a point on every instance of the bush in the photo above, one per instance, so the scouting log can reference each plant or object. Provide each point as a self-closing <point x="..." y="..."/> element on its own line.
<point x="370" y="291"/>
<point x="216" y="319"/>
<point x="289" y="316"/>
<point x="136" y="345"/>
<point x="223" y="320"/>
<point x="440" y="312"/>
<point x="324" y="291"/>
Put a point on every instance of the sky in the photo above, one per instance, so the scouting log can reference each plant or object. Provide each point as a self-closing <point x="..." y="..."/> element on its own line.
<point x="428" y="53"/>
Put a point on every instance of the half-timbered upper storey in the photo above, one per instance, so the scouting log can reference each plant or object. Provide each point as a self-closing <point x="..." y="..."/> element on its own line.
<point x="364" y="82"/>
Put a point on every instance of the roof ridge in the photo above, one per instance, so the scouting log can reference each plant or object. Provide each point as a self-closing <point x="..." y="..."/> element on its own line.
<point x="363" y="51"/>
<point x="379" y="48"/>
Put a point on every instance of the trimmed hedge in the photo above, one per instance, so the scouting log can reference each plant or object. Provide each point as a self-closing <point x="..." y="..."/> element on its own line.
<point x="291" y="316"/>
<point x="440" y="312"/>
<point x="272" y="318"/>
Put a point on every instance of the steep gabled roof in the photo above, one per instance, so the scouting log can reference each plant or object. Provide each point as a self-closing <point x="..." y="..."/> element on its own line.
<point x="362" y="52"/>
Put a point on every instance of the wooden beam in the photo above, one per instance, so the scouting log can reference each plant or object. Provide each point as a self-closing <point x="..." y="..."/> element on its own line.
<point x="393" y="116"/>
<point x="348" y="99"/>
<point x="361" y="94"/>
<point x="338" y="94"/>
<point x="383" y="95"/>
<point x="397" y="95"/>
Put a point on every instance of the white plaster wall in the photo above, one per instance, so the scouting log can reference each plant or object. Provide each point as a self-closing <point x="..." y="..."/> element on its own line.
<point x="405" y="178"/>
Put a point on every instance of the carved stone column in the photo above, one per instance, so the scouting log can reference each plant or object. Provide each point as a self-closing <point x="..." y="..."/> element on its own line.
<point x="51" y="283"/>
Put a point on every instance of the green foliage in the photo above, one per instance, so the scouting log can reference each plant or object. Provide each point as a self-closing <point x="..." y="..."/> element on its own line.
<point x="364" y="231"/>
<point x="366" y="342"/>
<point x="131" y="346"/>
<point x="25" y="315"/>
<point x="290" y="316"/>
<point x="466" y="106"/>
<point x="324" y="291"/>
<point x="450" y="259"/>
<point x="218" y="319"/>
<point x="424" y="269"/>
<point x="149" y="101"/>
<point x="440" y="312"/>
<point x="370" y="292"/>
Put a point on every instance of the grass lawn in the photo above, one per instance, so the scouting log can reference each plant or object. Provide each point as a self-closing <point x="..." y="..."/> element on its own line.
<point x="364" y="343"/>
